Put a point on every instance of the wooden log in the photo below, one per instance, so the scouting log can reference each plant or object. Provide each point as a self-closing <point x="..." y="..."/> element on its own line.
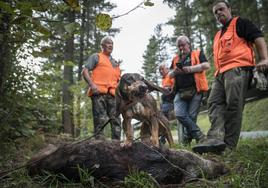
<point x="107" y="160"/>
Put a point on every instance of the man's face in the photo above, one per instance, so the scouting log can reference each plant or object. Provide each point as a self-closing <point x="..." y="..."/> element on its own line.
<point x="107" y="47"/>
<point x="222" y="13"/>
<point x="184" y="47"/>
<point x="163" y="70"/>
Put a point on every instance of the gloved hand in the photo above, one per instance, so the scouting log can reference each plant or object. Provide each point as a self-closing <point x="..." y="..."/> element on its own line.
<point x="262" y="66"/>
<point x="259" y="80"/>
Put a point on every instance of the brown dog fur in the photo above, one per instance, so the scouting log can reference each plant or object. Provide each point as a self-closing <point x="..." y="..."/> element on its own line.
<point x="133" y="100"/>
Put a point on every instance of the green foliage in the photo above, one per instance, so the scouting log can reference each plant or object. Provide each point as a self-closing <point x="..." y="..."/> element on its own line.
<point x="150" y="60"/>
<point x="19" y="178"/>
<point x="264" y="17"/>
<point x="148" y="3"/>
<point x="254" y="118"/>
<point x="74" y="4"/>
<point x="86" y="179"/>
<point x="32" y="101"/>
<point x="154" y="55"/>
<point x="248" y="166"/>
<point x="252" y="163"/>
<point x="71" y="27"/>
<point x="52" y="180"/>
<point x="139" y="179"/>
<point x="103" y="21"/>
<point x="18" y="110"/>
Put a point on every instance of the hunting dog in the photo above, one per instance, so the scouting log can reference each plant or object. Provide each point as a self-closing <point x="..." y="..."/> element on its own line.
<point x="133" y="100"/>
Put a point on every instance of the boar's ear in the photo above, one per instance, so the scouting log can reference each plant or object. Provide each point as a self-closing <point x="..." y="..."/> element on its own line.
<point x="154" y="87"/>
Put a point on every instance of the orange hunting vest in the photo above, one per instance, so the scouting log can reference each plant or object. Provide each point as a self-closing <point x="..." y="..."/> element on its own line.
<point x="231" y="51"/>
<point x="200" y="77"/>
<point x="105" y="76"/>
<point x="167" y="82"/>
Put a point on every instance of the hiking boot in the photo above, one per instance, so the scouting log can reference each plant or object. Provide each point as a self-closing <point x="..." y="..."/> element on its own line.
<point x="209" y="145"/>
<point x="200" y="138"/>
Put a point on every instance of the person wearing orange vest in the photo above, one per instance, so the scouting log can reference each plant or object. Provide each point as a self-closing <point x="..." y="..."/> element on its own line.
<point x="234" y="61"/>
<point x="102" y="73"/>
<point x="167" y="107"/>
<point x="167" y="83"/>
<point x="190" y="83"/>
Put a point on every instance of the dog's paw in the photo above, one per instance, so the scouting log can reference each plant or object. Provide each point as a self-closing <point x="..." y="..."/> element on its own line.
<point x="126" y="144"/>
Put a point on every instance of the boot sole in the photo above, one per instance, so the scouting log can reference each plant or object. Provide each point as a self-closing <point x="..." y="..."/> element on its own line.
<point x="217" y="149"/>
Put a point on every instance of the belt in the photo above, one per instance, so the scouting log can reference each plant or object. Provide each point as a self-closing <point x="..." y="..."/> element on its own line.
<point x="246" y="68"/>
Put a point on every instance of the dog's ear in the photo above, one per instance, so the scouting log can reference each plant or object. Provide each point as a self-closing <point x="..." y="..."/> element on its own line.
<point x="118" y="102"/>
<point x="122" y="90"/>
<point x="138" y="77"/>
<point x="154" y="87"/>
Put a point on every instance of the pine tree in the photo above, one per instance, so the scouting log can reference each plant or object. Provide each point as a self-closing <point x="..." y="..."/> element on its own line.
<point x="155" y="54"/>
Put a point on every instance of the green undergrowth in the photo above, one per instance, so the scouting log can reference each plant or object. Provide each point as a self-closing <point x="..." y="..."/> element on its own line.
<point x="254" y="117"/>
<point x="248" y="167"/>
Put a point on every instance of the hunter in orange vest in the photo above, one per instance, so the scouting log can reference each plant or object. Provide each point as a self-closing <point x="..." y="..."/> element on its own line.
<point x="105" y="75"/>
<point x="230" y="50"/>
<point x="167" y="99"/>
<point x="190" y="84"/>
<point x="234" y="61"/>
<point x="102" y="73"/>
<point x="200" y="78"/>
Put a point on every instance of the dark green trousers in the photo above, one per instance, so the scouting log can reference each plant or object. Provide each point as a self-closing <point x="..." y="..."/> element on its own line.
<point x="103" y="107"/>
<point x="226" y="103"/>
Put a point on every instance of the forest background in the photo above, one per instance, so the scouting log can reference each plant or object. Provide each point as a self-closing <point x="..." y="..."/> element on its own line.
<point x="59" y="35"/>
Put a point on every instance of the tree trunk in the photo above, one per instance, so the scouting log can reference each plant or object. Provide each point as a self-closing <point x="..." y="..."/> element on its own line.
<point x="108" y="161"/>
<point x="82" y="43"/>
<point x="67" y="98"/>
<point x="80" y="64"/>
<point x="264" y="16"/>
<point x="4" y="50"/>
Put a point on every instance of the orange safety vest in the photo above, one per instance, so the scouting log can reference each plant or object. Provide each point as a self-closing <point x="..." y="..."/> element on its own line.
<point x="200" y="77"/>
<point x="105" y="76"/>
<point x="167" y="81"/>
<point x="231" y="51"/>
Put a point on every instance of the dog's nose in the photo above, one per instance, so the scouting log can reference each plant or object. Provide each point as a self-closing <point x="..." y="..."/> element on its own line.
<point x="143" y="88"/>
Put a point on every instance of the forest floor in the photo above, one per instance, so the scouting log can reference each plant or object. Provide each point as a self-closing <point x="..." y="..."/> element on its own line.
<point x="248" y="165"/>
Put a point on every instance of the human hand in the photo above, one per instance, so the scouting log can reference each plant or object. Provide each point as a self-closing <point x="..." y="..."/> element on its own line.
<point x="259" y="81"/>
<point x="179" y="71"/>
<point x="94" y="89"/>
<point x="262" y="66"/>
